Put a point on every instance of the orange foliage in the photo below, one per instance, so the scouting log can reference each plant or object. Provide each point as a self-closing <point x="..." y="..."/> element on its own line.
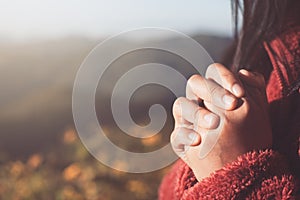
<point x="34" y="161"/>
<point x="138" y="187"/>
<point x="69" y="136"/>
<point x="71" y="172"/>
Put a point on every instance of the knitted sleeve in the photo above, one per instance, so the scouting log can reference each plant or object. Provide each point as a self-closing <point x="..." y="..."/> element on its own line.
<point x="255" y="175"/>
<point x="284" y="53"/>
<point x="258" y="174"/>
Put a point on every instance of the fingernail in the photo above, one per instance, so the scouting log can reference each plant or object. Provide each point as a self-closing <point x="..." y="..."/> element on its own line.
<point x="192" y="137"/>
<point x="244" y="72"/>
<point x="237" y="90"/>
<point x="228" y="100"/>
<point x="209" y="118"/>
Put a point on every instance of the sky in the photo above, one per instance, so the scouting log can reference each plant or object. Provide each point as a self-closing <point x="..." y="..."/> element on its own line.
<point x="21" y="19"/>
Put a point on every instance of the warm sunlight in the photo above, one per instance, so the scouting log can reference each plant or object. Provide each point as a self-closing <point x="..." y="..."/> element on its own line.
<point x="48" y="18"/>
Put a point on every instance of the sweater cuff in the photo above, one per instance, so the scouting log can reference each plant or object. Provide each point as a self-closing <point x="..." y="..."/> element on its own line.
<point x="235" y="180"/>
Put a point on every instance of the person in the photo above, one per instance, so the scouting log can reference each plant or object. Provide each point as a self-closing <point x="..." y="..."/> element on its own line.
<point x="237" y="131"/>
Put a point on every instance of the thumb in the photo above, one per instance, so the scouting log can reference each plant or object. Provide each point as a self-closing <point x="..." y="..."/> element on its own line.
<point x="253" y="79"/>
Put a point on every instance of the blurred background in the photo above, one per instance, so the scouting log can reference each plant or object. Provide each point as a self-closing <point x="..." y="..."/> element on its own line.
<point x="42" y="45"/>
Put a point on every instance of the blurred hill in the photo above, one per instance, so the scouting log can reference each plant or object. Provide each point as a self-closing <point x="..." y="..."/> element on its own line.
<point x="36" y="84"/>
<point x="36" y="88"/>
<point x="41" y="156"/>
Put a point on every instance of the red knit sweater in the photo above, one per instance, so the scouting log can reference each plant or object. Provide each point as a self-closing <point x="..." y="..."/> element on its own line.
<point x="266" y="174"/>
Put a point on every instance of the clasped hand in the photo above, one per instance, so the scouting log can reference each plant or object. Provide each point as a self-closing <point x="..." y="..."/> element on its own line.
<point x="232" y="106"/>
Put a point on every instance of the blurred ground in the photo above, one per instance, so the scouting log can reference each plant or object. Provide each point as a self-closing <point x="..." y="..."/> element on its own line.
<point x="41" y="156"/>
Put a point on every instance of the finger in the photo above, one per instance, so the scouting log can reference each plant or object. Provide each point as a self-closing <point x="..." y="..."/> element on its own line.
<point x="191" y="96"/>
<point x="256" y="86"/>
<point x="177" y="114"/>
<point x="182" y="137"/>
<point x="214" y="109"/>
<point x="208" y="90"/>
<point x="224" y="77"/>
<point x="185" y="110"/>
<point x="253" y="79"/>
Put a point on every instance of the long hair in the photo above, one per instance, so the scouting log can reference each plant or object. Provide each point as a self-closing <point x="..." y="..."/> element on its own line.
<point x="262" y="21"/>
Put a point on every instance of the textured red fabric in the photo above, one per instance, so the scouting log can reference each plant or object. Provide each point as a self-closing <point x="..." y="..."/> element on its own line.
<point x="268" y="174"/>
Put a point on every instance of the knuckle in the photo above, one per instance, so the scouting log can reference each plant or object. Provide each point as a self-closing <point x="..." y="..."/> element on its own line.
<point x="172" y="137"/>
<point x="196" y="113"/>
<point x="213" y="92"/>
<point x="192" y="79"/>
<point x="212" y="66"/>
<point x="215" y="67"/>
<point x="177" y="105"/>
<point x="220" y="74"/>
<point x="197" y="116"/>
<point x="175" y="135"/>
<point x="179" y="101"/>
<point x="211" y="70"/>
<point x="228" y="77"/>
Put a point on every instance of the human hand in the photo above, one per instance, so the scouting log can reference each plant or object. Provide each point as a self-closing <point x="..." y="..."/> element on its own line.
<point x="236" y="117"/>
